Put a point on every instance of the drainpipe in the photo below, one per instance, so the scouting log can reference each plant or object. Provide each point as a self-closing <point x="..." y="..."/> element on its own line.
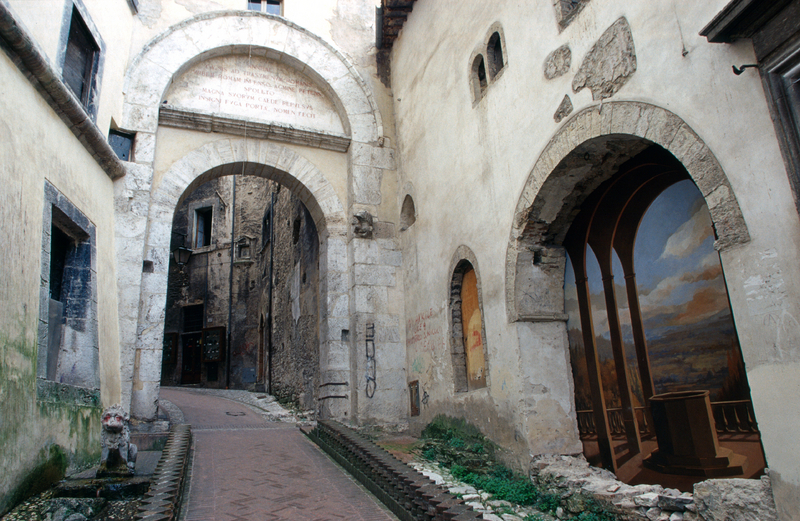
<point x="230" y="289"/>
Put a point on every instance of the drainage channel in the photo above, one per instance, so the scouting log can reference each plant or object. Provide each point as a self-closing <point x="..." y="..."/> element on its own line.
<point x="407" y="493"/>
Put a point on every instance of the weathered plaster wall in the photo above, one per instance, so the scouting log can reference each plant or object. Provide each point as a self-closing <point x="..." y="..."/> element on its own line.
<point x="481" y="156"/>
<point x="45" y="20"/>
<point x="35" y="145"/>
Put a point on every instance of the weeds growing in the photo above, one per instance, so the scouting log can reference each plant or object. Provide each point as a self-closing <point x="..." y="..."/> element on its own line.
<point x="471" y="458"/>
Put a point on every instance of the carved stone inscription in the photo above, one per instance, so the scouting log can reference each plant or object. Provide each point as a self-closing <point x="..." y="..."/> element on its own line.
<point x="254" y="88"/>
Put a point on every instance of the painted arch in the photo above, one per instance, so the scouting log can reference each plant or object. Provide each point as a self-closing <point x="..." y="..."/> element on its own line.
<point x="550" y="196"/>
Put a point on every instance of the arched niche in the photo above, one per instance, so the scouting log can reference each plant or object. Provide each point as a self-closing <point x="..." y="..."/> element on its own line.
<point x="408" y="213"/>
<point x="468" y="348"/>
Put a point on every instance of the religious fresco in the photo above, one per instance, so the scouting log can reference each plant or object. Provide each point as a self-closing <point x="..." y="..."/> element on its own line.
<point x="691" y="339"/>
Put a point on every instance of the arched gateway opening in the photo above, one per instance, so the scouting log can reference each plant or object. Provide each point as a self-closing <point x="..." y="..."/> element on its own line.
<point x="159" y="94"/>
<point x="611" y="206"/>
<point x="242" y="307"/>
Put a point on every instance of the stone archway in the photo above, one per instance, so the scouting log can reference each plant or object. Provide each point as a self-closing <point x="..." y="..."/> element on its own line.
<point x="241" y="157"/>
<point x="551" y="194"/>
<point x="222" y="32"/>
<point x="139" y="214"/>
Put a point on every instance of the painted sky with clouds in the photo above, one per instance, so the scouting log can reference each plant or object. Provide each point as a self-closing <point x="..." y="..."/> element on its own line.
<point x="678" y="271"/>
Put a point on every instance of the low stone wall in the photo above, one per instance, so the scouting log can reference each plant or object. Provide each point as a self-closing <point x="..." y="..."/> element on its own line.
<point x="713" y="500"/>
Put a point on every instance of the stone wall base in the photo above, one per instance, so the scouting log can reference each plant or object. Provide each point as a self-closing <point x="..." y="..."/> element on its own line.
<point x="713" y="500"/>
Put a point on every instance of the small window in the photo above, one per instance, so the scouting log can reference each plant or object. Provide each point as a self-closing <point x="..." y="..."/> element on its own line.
<point x="202" y="227"/>
<point x="408" y="213"/>
<point x="296" y="230"/>
<point x="495" y="52"/>
<point x="479" y="82"/>
<point x="80" y="59"/>
<point x="121" y="144"/>
<point x="192" y="318"/>
<point x="61" y="245"/>
<point x="243" y="248"/>
<point x="265" y="6"/>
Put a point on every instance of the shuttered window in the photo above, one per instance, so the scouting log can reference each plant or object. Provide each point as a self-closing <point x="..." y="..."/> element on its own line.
<point x="80" y="59"/>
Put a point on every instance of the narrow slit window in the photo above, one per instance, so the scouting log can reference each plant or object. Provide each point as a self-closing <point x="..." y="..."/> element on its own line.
<point x="479" y="81"/>
<point x="495" y="52"/>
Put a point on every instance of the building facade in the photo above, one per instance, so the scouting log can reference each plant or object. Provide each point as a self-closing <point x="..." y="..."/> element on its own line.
<point x="458" y="161"/>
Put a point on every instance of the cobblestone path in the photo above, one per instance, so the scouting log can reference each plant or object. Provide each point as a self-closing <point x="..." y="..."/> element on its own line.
<point x="247" y="468"/>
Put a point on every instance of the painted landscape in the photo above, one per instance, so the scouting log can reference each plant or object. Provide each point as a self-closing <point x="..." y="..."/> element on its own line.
<point x="691" y="338"/>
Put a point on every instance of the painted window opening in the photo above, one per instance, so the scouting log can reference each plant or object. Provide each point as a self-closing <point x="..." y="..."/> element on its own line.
<point x="408" y="213"/>
<point x="68" y="351"/>
<point x="469" y="346"/>
<point x="494" y="51"/>
<point x="80" y="61"/>
<point x="202" y="230"/>
<point x="649" y="320"/>
<point x="478" y="75"/>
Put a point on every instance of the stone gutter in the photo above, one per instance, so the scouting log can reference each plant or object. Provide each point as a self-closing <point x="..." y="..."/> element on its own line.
<point x="162" y="501"/>
<point x="33" y="63"/>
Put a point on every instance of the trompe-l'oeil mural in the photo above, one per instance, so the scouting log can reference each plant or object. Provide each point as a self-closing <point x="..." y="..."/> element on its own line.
<point x="688" y="325"/>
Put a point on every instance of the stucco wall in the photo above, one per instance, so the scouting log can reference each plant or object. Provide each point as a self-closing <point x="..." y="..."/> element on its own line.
<point x="466" y="165"/>
<point x="47" y="22"/>
<point x="36" y="145"/>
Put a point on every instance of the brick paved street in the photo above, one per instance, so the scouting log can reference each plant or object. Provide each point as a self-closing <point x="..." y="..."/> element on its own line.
<point x="247" y="468"/>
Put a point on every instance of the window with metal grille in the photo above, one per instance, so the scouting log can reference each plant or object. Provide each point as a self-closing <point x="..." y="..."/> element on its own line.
<point x="80" y="61"/>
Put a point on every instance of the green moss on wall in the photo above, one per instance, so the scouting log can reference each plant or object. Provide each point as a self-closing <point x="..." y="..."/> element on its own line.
<point x="44" y="433"/>
<point x="51" y="467"/>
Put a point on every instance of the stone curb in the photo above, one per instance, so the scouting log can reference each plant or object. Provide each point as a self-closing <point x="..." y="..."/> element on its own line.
<point x="407" y="493"/>
<point x="162" y="500"/>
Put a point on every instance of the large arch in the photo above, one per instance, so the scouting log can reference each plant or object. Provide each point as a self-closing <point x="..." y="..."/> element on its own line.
<point x="587" y="151"/>
<point x="273" y="162"/>
<point x="561" y="178"/>
<point x="226" y="32"/>
<point x="140" y="213"/>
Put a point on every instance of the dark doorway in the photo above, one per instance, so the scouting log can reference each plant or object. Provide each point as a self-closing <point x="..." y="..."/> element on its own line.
<point x="190" y="369"/>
